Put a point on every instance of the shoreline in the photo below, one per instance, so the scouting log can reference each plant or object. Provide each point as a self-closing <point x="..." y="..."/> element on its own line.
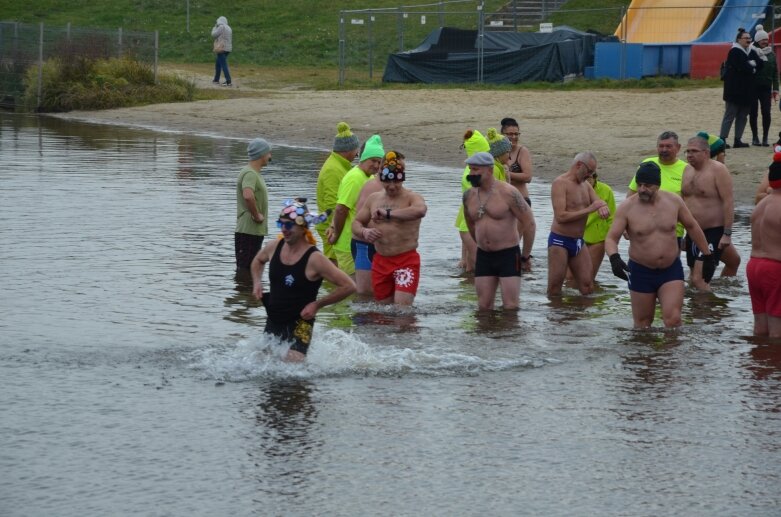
<point x="619" y="126"/>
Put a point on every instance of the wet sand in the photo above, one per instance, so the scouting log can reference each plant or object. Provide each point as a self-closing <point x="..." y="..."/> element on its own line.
<point x="427" y="125"/>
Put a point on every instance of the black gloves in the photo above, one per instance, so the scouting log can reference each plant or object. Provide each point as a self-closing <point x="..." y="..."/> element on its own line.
<point x="618" y="266"/>
<point x="709" y="264"/>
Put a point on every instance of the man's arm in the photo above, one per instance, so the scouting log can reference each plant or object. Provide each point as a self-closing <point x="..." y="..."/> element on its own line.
<point x="726" y="193"/>
<point x="693" y="229"/>
<point x="324" y="268"/>
<point x="523" y="213"/>
<point x="416" y="210"/>
<point x="359" y="228"/>
<point x="595" y="200"/>
<point x="337" y="225"/>
<point x="559" y="201"/>
<point x="470" y="223"/>
<point x="249" y="201"/>
<point x="257" y="265"/>
<point x="617" y="229"/>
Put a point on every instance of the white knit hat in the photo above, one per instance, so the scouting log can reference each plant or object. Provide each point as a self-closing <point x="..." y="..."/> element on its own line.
<point x="760" y="34"/>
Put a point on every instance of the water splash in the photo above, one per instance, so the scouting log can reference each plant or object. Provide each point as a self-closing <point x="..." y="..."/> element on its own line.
<point x="335" y="352"/>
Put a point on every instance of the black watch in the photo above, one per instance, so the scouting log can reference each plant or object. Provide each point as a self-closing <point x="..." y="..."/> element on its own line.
<point x="387" y="213"/>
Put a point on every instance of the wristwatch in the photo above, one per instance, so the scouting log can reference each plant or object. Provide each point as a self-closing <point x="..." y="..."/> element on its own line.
<point x="387" y="213"/>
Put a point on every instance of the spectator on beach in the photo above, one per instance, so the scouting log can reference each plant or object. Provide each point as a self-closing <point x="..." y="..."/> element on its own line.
<point x="573" y="199"/>
<point x="667" y="149"/>
<point x="251" y="204"/>
<point x="223" y="45"/>
<point x="390" y="220"/>
<point x="340" y="232"/>
<point x="520" y="169"/>
<point x="474" y="142"/>
<point x="708" y="194"/>
<point x="764" y="267"/>
<point x="655" y="270"/>
<point x="345" y="149"/>
<point x="742" y="66"/>
<point x="765" y="86"/>
<point x="296" y="271"/>
<point x="491" y="209"/>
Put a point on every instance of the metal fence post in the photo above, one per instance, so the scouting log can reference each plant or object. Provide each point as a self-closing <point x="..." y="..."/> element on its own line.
<point x="156" y="51"/>
<point x="622" y="53"/>
<point x="68" y="32"/>
<point x="441" y="13"/>
<point x="40" y="68"/>
<point x="341" y="48"/>
<point x="371" y="45"/>
<point x="119" y="53"/>
<point x="515" y="15"/>
<point x="400" y="28"/>
<point x="188" y="16"/>
<point x="480" y="32"/>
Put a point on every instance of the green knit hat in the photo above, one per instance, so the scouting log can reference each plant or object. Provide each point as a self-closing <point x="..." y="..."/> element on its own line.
<point x="475" y="142"/>
<point x="499" y="143"/>
<point x="715" y="143"/>
<point x="373" y="148"/>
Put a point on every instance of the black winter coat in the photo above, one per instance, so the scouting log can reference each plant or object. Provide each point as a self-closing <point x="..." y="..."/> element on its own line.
<point x="739" y="76"/>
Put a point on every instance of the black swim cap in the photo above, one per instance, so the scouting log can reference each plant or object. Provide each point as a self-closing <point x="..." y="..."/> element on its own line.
<point x="649" y="173"/>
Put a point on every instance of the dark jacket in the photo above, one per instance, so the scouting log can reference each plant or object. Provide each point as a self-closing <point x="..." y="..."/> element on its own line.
<point x="739" y="76"/>
<point x="768" y="75"/>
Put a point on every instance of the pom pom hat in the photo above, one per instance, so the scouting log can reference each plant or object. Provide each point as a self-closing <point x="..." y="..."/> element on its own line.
<point x="499" y="143"/>
<point x="345" y="140"/>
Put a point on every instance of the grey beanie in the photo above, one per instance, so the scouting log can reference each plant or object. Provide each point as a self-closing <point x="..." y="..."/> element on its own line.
<point x="257" y="148"/>
<point x="345" y="140"/>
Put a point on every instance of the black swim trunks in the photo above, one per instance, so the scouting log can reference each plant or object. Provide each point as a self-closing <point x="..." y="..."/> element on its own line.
<point x="502" y="263"/>
<point x="299" y="331"/>
<point x="713" y="236"/>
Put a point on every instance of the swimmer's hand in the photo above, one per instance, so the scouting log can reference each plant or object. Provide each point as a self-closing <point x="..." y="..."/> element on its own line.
<point x="257" y="290"/>
<point x="708" y="267"/>
<point x="618" y="266"/>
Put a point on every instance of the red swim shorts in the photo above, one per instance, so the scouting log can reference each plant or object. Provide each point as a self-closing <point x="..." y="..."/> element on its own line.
<point x="764" y="286"/>
<point x="397" y="273"/>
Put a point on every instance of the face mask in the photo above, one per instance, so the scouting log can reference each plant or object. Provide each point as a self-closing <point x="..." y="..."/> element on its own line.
<point x="474" y="179"/>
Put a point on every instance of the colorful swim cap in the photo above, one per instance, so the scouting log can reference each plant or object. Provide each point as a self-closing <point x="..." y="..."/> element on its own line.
<point x="392" y="168"/>
<point x="296" y="210"/>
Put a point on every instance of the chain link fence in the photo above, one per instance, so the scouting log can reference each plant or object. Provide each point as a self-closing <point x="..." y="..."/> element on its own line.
<point x="26" y="46"/>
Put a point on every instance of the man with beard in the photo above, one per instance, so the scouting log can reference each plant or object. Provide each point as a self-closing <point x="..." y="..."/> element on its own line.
<point x="492" y="210"/>
<point x="708" y="194"/>
<point x="390" y="219"/>
<point x="667" y="149"/>
<point x="655" y="269"/>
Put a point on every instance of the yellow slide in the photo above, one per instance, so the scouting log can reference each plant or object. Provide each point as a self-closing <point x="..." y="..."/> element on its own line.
<point x="666" y="21"/>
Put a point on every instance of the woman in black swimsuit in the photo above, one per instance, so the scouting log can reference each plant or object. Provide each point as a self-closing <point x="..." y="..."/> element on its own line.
<point x="520" y="169"/>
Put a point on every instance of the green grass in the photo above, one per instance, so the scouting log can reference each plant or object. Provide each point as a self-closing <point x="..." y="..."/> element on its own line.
<point x="294" y="43"/>
<point x="298" y="33"/>
<point x="76" y="82"/>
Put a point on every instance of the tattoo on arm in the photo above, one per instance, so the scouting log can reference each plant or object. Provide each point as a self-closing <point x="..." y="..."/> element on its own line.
<point x="520" y="202"/>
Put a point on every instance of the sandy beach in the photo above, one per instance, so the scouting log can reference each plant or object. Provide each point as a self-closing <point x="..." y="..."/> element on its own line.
<point x="427" y="125"/>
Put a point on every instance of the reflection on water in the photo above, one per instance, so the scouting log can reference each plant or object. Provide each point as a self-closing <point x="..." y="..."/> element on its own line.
<point x="125" y="276"/>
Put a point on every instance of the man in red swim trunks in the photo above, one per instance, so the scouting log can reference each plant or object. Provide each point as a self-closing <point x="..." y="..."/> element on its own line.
<point x="390" y="219"/>
<point x="764" y="266"/>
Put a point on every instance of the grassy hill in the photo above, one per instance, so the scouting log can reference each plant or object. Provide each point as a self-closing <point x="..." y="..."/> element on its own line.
<point x="267" y="33"/>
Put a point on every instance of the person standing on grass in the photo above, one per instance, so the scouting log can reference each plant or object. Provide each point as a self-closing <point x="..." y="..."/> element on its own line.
<point x="223" y="45"/>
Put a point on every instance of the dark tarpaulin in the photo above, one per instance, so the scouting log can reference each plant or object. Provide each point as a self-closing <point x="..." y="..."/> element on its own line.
<point x="450" y="56"/>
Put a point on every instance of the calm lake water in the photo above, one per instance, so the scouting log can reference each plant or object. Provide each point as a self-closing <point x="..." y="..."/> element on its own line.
<point x="135" y="380"/>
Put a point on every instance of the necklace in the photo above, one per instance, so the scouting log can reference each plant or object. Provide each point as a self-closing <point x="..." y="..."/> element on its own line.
<point x="481" y="208"/>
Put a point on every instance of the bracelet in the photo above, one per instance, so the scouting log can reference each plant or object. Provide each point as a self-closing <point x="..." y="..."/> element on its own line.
<point x="526" y="259"/>
<point x="387" y="213"/>
<point x="728" y="232"/>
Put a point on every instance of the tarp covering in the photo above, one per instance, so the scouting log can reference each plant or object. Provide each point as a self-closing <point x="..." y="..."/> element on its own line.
<point x="449" y="55"/>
